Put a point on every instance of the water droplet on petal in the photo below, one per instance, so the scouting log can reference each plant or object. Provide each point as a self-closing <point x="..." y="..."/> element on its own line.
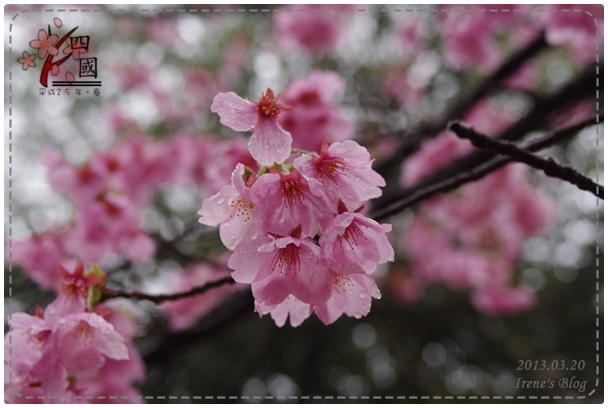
<point x="220" y="201"/>
<point x="362" y="295"/>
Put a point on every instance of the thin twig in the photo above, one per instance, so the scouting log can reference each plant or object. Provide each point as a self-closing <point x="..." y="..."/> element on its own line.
<point x="482" y="170"/>
<point x="579" y="88"/>
<point x="547" y="164"/>
<point x="197" y="290"/>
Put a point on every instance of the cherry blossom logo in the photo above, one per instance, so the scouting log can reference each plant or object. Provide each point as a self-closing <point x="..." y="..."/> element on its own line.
<point x="56" y="51"/>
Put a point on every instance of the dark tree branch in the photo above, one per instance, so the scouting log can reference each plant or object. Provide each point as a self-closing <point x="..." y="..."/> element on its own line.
<point x="482" y="170"/>
<point x="464" y="102"/>
<point x="197" y="290"/>
<point x="548" y="165"/>
<point x="581" y="87"/>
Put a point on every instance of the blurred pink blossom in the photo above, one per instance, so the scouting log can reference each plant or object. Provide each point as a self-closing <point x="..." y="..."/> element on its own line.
<point x="40" y="255"/>
<point x="317" y="29"/>
<point x="412" y="34"/>
<point x="572" y="27"/>
<point x="469" y="34"/>
<point x="504" y="300"/>
<point x="185" y="312"/>
<point x="314" y="116"/>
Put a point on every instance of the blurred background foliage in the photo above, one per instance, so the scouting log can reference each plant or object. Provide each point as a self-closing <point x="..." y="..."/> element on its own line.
<point x="437" y="346"/>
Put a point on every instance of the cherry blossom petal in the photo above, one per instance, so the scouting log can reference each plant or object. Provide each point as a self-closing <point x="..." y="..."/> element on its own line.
<point x="83" y="339"/>
<point x="269" y="143"/>
<point x="247" y="261"/>
<point x="58" y="22"/>
<point x="235" y="112"/>
<point x="351" y="295"/>
<point x="272" y="290"/>
<point x="354" y="238"/>
<point x="216" y="209"/>
<point x="291" y="307"/>
<point x="139" y="247"/>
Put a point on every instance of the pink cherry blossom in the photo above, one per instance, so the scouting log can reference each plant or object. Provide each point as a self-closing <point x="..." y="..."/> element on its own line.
<point x="224" y="158"/>
<point x="116" y="377"/>
<point x="269" y="143"/>
<point x="504" y="301"/>
<point x="314" y="31"/>
<point x="473" y="240"/>
<point x="39" y="256"/>
<point x="63" y="350"/>
<point x="575" y="28"/>
<point x="80" y="183"/>
<point x="286" y="201"/>
<point x="342" y="171"/>
<point x="469" y="36"/>
<point x="23" y="345"/>
<point x="279" y="267"/>
<point x="352" y="238"/>
<point x="45" y="378"/>
<point x="408" y="93"/>
<point x="143" y="165"/>
<point x="72" y="294"/>
<point x="351" y="295"/>
<point x="412" y="34"/>
<point x="45" y="44"/>
<point x="432" y="156"/>
<point x="315" y="116"/>
<point x="109" y="225"/>
<point x="84" y="341"/>
<point x="291" y="307"/>
<point x="162" y="30"/>
<point x="58" y="23"/>
<point x="75" y="48"/>
<point x="27" y="60"/>
<point x="232" y="207"/>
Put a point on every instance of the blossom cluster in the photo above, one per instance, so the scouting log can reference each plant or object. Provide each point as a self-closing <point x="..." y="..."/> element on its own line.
<point x="69" y="350"/>
<point x="109" y="192"/>
<point x="296" y="226"/>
